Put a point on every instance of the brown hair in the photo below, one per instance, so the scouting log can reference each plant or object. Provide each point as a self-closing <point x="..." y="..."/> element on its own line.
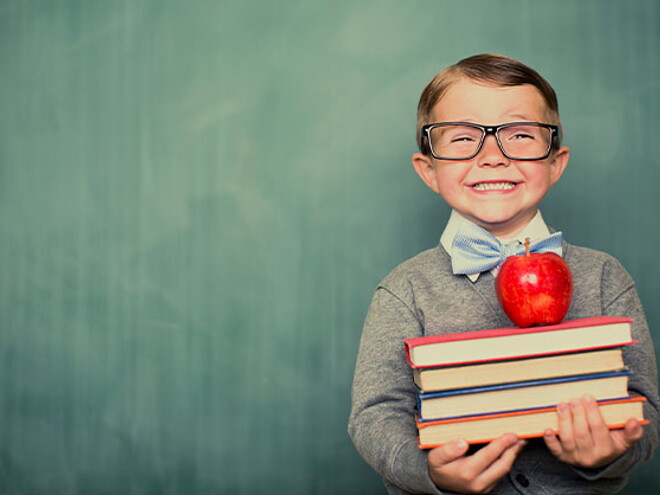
<point x="487" y="68"/>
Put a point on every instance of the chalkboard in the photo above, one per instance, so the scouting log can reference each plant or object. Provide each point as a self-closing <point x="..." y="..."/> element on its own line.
<point x="198" y="198"/>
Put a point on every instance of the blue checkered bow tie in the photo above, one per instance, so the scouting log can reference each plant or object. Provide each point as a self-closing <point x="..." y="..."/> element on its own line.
<point x="475" y="250"/>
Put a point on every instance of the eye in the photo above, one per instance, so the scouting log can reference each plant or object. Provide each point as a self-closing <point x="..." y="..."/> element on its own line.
<point x="457" y="139"/>
<point x="462" y="134"/>
<point x="521" y="135"/>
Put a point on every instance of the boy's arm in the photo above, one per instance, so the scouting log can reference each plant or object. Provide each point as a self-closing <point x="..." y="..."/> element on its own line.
<point x="620" y="298"/>
<point x="381" y="422"/>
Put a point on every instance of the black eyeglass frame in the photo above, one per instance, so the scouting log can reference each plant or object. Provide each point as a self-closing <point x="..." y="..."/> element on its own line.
<point x="487" y="130"/>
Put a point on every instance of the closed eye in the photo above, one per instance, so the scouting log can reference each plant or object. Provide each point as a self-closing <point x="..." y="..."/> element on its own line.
<point x="462" y="138"/>
<point x="520" y="136"/>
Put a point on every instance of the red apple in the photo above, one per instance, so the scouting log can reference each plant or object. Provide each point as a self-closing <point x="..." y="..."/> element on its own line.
<point x="534" y="288"/>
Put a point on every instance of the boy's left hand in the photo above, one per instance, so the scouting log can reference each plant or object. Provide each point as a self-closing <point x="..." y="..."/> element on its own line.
<point x="584" y="438"/>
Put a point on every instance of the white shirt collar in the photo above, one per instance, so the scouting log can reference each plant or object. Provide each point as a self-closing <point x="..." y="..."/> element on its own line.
<point x="535" y="228"/>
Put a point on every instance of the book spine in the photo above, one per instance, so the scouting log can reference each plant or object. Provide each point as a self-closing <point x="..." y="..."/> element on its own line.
<point x="522" y="384"/>
<point x="423" y="423"/>
<point x="504" y="412"/>
<point x="503" y="332"/>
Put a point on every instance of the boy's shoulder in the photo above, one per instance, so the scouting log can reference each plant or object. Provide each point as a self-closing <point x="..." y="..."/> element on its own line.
<point x="589" y="263"/>
<point x="574" y="254"/>
<point x="429" y="265"/>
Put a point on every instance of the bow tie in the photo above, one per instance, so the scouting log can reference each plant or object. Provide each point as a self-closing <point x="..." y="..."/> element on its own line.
<point x="475" y="250"/>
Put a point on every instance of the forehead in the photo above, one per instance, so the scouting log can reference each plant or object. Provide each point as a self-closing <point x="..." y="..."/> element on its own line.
<point x="471" y="101"/>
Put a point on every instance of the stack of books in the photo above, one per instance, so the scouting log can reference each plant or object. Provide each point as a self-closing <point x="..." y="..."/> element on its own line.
<point x="481" y="384"/>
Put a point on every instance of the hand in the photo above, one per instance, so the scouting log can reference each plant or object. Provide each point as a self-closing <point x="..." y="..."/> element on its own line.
<point x="451" y="469"/>
<point x="584" y="438"/>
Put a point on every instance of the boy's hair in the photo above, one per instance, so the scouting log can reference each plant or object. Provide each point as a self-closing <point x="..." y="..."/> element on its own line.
<point x="486" y="68"/>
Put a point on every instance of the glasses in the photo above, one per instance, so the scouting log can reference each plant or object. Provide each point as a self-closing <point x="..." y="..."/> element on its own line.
<point x="463" y="140"/>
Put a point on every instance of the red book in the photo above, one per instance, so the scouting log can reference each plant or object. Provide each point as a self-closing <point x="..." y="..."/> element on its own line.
<point x="498" y="344"/>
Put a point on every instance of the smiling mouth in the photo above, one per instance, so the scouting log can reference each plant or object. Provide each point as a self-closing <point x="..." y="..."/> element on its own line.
<point x="494" y="186"/>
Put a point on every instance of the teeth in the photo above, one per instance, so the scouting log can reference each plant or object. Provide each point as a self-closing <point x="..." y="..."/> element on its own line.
<point x="494" y="186"/>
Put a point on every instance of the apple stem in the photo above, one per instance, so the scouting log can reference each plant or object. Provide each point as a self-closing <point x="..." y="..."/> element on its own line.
<point x="527" y="246"/>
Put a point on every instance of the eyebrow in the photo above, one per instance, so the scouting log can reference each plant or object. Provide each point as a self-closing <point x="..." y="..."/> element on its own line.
<point x="517" y="116"/>
<point x="523" y="117"/>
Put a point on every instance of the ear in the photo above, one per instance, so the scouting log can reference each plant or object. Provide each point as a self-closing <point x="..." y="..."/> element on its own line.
<point x="558" y="163"/>
<point x="425" y="168"/>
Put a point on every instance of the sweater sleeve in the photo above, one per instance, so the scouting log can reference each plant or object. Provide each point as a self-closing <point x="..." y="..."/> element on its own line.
<point x="381" y="422"/>
<point x="619" y="298"/>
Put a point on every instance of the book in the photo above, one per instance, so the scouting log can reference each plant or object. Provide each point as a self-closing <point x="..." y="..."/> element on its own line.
<point x="491" y="373"/>
<point x="520" y="395"/>
<point x="475" y="346"/>
<point x="526" y="424"/>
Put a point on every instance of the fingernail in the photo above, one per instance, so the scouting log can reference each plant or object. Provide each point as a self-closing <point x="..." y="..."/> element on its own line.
<point x="461" y="444"/>
<point x="562" y="407"/>
<point x="575" y="404"/>
<point x="588" y="398"/>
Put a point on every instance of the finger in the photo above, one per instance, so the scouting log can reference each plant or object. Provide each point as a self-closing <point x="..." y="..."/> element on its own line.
<point x="491" y="452"/>
<point x="553" y="443"/>
<point x="632" y="432"/>
<point x="599" y="430"/>
<point x="500" y="467"/>
<point x="565" y="427"/>
<point x="626" y="437"/>
<point x="447" y="453"/>
<point x="503" y="463"/>
<point x="581" y="430"/>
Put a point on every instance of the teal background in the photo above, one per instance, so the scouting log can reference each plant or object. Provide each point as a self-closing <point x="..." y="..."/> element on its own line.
<point x="198" y="198"/>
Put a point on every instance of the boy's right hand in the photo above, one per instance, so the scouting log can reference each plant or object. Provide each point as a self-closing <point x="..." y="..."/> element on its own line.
<point x="451" y="469"/>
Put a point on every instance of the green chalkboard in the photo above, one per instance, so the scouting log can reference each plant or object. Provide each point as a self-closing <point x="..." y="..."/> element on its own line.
<point x="198" y="198"/>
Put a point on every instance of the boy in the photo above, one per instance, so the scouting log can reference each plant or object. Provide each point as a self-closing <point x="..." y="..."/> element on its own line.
<point x="489" y="138"/>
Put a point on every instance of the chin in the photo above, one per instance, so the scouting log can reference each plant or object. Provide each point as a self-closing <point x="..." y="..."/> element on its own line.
<point x="503" y="225"/>
<point x="495" y="220"/>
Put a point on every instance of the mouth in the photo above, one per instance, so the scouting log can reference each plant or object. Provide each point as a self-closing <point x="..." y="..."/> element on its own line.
<point x="493" y="186"/>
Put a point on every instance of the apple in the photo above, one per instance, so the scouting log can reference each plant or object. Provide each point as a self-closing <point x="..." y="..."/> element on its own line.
<point x="534" y="288"/>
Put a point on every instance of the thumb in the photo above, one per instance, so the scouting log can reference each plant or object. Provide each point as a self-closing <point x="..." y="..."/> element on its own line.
<point x="633" y="431"/>
<point x="625" y="438"/>
<point x="448" y="452"/>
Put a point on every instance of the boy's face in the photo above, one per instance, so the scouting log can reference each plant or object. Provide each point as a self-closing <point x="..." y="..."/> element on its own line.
<point x="491" y="190"/>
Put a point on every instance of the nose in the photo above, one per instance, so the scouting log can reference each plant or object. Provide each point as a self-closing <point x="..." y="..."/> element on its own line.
<point x="491" y="155"/>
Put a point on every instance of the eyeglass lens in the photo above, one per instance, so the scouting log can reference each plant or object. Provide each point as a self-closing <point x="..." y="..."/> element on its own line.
<point x="461" y="142"/>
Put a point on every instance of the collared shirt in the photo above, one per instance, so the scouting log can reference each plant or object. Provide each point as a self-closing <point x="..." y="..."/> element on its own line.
<point x="535" y="229"/>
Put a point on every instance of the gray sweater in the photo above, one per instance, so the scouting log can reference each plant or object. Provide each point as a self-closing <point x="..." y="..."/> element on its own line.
<point x="423" y="297"/>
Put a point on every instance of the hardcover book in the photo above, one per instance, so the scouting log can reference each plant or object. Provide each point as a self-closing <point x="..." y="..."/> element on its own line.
<point x="474" y="375"/>
<point x="526" y="424"/>
<point x="521" y="395"/>
<point x="515" y="343"/>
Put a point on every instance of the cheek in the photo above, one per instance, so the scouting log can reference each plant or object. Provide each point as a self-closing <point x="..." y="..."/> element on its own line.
<point x="540" y="178"/>
<point x="449" y="186"/>
<point x="450" y="178"/>
<point x="545" y="181"/>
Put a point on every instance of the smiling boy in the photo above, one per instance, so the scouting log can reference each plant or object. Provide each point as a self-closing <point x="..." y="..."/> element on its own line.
<point x="491" y="190"/>
<point x="489" y="137"/>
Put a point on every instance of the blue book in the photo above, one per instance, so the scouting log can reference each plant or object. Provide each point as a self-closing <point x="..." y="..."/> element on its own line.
<point x="515" y="396"/>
